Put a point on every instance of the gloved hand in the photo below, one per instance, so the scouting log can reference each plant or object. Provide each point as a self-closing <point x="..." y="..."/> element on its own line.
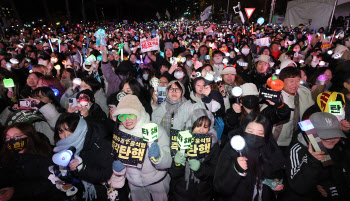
<point x="118" y="166"/>
<point x="180" y="158"/>
<point x="219" y="127"/>
<point x="153" y="151"/>
<point x="194" y="164"/>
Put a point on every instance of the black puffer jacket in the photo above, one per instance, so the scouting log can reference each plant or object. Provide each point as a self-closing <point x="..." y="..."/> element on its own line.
<point x="29" y="177"/>
<point x="202" y="191"/>
<point x="97" y="159"/>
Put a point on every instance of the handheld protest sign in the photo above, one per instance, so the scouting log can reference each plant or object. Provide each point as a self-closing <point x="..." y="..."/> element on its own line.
<point x="315" y="140"/>
<point x="184" y="140"/>
<point x="238" y="143"/>
<point x="237" y="92"/>
<point x="8" y="83"/>
<point x="335" y="108"/>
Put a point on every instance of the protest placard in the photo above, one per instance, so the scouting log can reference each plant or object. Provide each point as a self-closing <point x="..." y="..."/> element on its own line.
<point x="200" y="29"/>
<point x="161" y="95"/>
<point x="150" y="44"/>
<point x="200" y="147"/>
<point x="130" y="150"/>
<point x="274" y="96"/>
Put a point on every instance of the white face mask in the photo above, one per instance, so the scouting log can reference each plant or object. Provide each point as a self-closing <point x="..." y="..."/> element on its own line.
<point x="179" y="75"/>
<point x="189" y="63"/>
<point x="145" y="76"/>
<point x="245" y="51"/>
<point x="218" y="60"/>
<point x="214" y="106"/>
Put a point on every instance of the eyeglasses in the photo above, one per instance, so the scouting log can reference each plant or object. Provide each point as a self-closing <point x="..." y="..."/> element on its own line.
<point x="176" y="90"/>
<point x="122" y="117"/>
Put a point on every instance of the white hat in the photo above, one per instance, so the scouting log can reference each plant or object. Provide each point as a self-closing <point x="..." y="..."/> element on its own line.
<point x="263" y="58"/>
<point x="249" y="89"/>
<point x="286" y="62"/>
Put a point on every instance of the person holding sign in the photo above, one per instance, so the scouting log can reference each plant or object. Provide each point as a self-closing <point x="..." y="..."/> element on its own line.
<point x="189" y="174"/>
<point x="148" y="179"/>
<point x="275" y="112"/>
<point x="261" y="159"/>
<point x="308" y="178"/>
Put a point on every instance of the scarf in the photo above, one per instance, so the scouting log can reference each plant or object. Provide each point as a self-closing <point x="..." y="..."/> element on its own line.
<point x="77" y="140"/>
<point x="194" y="98"/>
<point x="228" y="89"/>
<point x="171" y="108"/>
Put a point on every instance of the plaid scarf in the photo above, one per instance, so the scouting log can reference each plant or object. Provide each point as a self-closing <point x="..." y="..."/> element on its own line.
<point x="171" y="108"/>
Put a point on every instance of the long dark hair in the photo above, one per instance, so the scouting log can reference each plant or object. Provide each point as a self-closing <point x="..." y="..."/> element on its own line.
<point x="35" y="145"/>
<point x="267" y="159"/>
<point x="137" y="88"/>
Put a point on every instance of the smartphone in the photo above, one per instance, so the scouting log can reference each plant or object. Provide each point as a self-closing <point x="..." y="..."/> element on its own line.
<point x="74" y="103"/>
<point x="26" y="104"/>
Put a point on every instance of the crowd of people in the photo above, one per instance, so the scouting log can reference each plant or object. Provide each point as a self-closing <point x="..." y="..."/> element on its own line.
<point x="63" y="89"/>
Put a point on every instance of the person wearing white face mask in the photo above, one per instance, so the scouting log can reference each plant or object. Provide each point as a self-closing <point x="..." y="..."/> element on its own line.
<point x="181" y="75"/>
<point x="246" y="56"/>
<point x="218" y="66"/>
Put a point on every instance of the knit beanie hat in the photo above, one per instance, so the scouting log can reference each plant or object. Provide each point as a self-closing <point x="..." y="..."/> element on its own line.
<point x="129" y="104"/>
<point x="168" y="45"/>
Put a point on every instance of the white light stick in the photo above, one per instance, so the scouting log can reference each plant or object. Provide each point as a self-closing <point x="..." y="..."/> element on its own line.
<point x="59" y="45"/>
<point x="51" y="45"/>
<point x="237" y="92"/>
<point x="238" y="143"/>
<point x="225" y="61"/>
<point x="77" y="81"/>
<point x="141" y="59"/>
<point x="58" y="68"/>
<point x="155" y="83"/>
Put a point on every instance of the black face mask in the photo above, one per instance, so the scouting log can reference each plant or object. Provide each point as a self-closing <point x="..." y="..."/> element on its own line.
<point x="254" y="141"/>
<point x="16" y="145"/>
<point x="250" y="101"/>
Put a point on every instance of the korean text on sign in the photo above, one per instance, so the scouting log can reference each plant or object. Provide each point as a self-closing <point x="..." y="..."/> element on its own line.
<point x="129" y="149"/>
<point x="149" y="44"/>
<point x="200" y="147"/>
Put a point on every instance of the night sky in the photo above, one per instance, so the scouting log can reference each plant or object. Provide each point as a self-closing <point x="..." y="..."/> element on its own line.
<point x="112" y="9"/>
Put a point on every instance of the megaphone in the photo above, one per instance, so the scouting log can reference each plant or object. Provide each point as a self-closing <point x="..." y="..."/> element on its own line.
<point x="63" y="158"/>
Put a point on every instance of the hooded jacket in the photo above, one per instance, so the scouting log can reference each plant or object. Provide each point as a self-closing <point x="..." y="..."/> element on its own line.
<point x="201" y="190"/>
<point x="151" y="172"/>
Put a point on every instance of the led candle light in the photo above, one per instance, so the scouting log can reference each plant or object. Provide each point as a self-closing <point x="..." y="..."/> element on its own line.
<point x="238" y="143"/>
<point x="322" y="79"/>
<point x="236" y="93"/>
<point x="184" y="140"/>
